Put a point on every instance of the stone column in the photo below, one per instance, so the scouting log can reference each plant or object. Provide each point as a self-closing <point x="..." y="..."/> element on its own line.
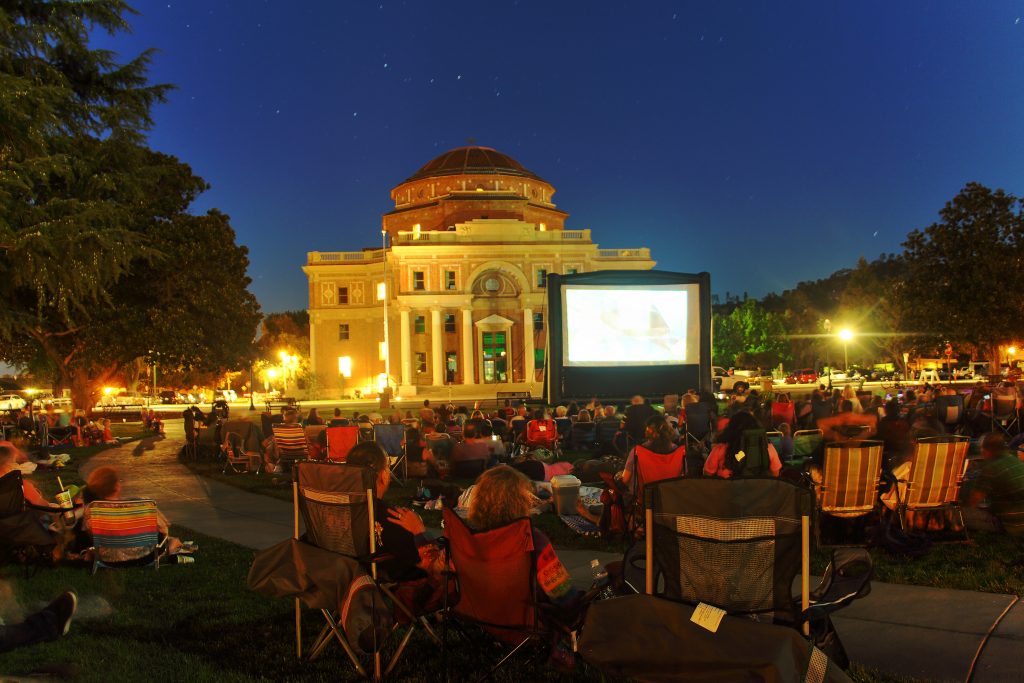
<point x="468" y="361"/>
<point x="403" y="318"/>
<point x="436" y="360"/>
<point x="528" y="345"/>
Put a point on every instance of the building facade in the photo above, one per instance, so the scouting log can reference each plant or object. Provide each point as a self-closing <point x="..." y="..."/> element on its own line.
<point x="459" y="283"/>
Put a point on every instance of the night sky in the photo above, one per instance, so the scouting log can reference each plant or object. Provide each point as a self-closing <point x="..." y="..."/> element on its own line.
<point x="765" y="142"/>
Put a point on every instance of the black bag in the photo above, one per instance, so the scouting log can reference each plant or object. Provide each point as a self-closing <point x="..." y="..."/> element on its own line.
<point x="662" y="644"/>
<point x="897" y="542"/>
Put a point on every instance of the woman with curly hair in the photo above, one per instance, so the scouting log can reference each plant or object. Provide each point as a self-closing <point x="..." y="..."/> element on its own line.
<point x="503" y="495"/>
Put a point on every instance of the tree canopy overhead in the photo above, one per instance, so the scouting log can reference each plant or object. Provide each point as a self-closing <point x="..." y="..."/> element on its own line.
<point x="102" y="260"/>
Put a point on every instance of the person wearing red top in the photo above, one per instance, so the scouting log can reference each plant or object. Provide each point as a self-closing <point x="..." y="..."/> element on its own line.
<point x="722" y="461"/>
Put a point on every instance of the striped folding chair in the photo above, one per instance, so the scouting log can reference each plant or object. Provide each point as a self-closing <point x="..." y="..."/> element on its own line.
<point x="290" y="442"/>
<point x="124" y="531"/>
<point x="850" y="477"/>
<point x="937" y="468"/>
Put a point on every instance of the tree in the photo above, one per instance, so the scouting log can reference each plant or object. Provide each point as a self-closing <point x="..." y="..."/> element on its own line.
<point x="868" y="304"/>
<point x="964" y="273"/>
<point x="104" y="263"/>
<point x="749" y="335"/>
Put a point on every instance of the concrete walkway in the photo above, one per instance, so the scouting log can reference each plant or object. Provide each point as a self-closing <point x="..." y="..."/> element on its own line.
<point x="913" y="631"/>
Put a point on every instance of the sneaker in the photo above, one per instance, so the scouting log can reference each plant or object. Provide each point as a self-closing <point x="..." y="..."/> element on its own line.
<point x="63" y="608"/>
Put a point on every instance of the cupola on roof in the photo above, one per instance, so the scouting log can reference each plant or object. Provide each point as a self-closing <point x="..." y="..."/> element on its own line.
<point x="472" y="160"/>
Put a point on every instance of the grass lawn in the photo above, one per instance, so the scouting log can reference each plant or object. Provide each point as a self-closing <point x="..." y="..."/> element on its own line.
<point x="46" y="479"/>
<point x="198" y="622"/>
<point x="987" y="564"/>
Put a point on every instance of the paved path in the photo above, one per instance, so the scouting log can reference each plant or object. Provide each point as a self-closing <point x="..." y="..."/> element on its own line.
<point x="913" y="631"/>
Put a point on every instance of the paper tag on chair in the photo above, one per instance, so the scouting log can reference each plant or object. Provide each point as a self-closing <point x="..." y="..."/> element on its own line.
<point x="707" y="616"/>
<point x="740" y="455"/>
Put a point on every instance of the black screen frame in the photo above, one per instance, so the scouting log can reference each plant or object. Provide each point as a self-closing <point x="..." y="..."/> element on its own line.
<point x="655" y="381"/>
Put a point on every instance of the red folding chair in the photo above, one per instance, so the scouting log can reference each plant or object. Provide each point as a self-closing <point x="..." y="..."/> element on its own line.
<point x="341" y="440"/>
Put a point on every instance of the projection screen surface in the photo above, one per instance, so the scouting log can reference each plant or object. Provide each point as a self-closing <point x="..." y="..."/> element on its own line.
<point x="631" y="325"/>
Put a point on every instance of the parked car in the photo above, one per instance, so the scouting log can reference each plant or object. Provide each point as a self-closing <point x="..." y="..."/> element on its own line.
<point x="802" y="376"/>
<point x="122" y="400"/>
<point x="11" y="402"/>
<point x="170" y="397"/>
<point x="228" y="395"/>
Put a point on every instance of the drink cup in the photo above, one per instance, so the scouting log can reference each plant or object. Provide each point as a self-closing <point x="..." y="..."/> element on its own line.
<point x="64" y="500"/>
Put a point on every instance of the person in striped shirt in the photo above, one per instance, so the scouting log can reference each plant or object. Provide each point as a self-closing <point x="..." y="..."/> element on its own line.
<point x="1002" y="483"/>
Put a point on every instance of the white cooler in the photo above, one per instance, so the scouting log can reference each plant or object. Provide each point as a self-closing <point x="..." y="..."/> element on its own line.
<point x="565" y="490"/>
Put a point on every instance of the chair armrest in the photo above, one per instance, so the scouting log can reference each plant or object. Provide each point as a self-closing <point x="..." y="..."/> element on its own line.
<point x="847" y="578"/>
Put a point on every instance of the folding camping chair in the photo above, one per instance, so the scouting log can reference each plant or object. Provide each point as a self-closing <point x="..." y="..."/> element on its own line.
<point x="650" y="467"/>
<point x="807" y="445"/>
<point x="738" y="544"/>
<point x="241" y="447"/>
<point x="390" y="438"/>
<point x="607" y="430"/>
<point x="365" y="434"/>
<point x="937" y="468"/>
<point x="783" y="412"/>
<point x="497" y="586"/>
<point x="564" y="426"/>
<point x="949" y="410"/>
<point x="290" y="442"/>
<point x="125" y="531"/>
<point x="1004" y="409"/>
<point x="335" y="502"/>
<point x="316" y="440"/>
<point x="21" y="534"/>
<point x="699" y="423"/>
<point x="850" y="480"/>
<point x="340" y="441"/>
<point x="583" y="435"/>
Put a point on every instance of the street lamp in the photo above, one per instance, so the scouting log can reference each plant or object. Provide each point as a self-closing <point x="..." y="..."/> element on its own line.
<point x="387" y="347"/>
<point x="846" y="335"/>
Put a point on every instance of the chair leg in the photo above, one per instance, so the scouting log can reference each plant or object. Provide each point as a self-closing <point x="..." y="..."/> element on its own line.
<point x="298" y="629"/>
<point x="504" y="659"/>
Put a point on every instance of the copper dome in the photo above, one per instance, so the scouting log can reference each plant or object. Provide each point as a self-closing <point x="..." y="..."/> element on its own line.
<point x="472" y="160"/>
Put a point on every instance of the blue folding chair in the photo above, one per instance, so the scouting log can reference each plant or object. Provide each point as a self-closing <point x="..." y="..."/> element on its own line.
<point x="389" y="437"/>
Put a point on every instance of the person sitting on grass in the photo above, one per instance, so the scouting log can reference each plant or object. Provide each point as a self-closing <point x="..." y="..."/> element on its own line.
<point x="105" y="483"/>
<point x="1002" y="482"/>
<point x="48" y="624"/>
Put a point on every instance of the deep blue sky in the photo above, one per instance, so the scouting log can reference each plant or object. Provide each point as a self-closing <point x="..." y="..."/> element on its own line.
<point x="765" y="142"/>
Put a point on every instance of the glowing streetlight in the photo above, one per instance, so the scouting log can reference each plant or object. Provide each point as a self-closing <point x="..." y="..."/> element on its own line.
<point x="846" y="335"/>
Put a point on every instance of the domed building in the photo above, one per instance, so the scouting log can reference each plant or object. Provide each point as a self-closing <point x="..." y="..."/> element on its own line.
<point x="461" y="285"/>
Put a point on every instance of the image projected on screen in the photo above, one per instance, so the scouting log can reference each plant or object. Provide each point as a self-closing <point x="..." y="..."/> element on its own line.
<point x="625" y="326"/>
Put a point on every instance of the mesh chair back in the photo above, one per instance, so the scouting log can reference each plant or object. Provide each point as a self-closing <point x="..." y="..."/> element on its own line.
<point x="849" y="486"/>
<point x="340" y="441"/>
<point x="735" y="544"/>
<point x="499" y="428"/>
<point x="936" y="470"/>
<point x="517" y="427"/>
<point x="123" y="529"/>
<point x="949" y="409"/>
<point x="495" y="570"/>
<point x="698" y="420"/>
<point x="290" y="441"/>
<point x="333" y="501"/>
<point x="389" y="437"/>
<point x="366" y="433"/>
